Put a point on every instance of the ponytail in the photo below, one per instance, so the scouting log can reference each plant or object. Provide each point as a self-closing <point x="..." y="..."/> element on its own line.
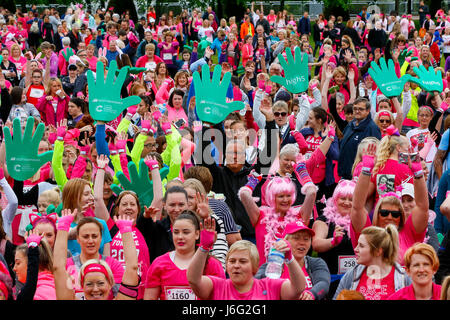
<point x="385" y="239"/>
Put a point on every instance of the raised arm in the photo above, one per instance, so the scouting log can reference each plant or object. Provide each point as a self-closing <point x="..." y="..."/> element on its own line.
<point x="420" y="212"/>
<point x="101" y="211"/>
<point x="245" y="195"/>
<point x="200" y="284"/>
<point x="130" y="280"/>
<point x="358" y="213"/>
<point x="63" y="292"/>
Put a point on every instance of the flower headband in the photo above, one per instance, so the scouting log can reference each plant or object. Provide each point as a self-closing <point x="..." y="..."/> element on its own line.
<point x="391" y="194"/>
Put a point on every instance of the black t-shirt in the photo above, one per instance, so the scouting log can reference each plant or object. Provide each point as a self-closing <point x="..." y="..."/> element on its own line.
<point x="345" y="248"/>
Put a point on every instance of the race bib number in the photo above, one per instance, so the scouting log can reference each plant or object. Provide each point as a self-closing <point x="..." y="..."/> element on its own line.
<point x="345" y="263"/>
<point x="180" y="294"/>
<point x="36" y="93"/>
<point x="150" y="65"/>
<point x="167" y="56"/>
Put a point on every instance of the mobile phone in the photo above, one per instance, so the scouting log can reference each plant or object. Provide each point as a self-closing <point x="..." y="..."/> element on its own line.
<point x="179" y="123"/>
<point x="403" y="157"/>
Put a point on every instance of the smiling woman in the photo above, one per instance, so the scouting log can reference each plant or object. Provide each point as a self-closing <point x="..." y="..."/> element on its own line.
<point x="421" y="263"/>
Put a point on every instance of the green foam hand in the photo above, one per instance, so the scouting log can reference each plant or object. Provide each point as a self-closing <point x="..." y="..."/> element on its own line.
<point x="1" y="59"/>
<point x="386" y="78"/>
<point x="22" y="158"/>
<point x="132" y="70"/>
<point x="429" y="80"/>
<point x="295" y="78"/>
<point x="52" y="209"/>
<point x="105" y="103"/>
<point x="67" y="53"/>
<point x="210" y="95"/>
<point x="202" y="45"/>
<point x="139" y="182"/>
<point x="403" y="55"/>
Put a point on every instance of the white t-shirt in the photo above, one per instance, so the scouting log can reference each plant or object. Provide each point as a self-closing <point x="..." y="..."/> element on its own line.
<point x="446" y="38"/>
<point x="422" y="137"/>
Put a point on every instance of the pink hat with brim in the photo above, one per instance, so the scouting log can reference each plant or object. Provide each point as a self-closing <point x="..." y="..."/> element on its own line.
<point x="294" y="227"/>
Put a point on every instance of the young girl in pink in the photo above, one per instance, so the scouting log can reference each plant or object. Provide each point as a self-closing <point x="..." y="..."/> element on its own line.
<point x="247" y="49"/>
<point x="166" y="278"/>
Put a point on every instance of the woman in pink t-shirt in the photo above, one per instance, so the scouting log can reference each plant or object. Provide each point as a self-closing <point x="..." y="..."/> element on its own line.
<point x="98" y="277"/>
<point x="128" y="204"/>
<point x="389" y="208"/>
<point x="390" y="170"/>
<point x="166" y="279"/>
<point x="270" y="220"/>
<point x="241" y="265"/>
<point x="175" y="109"/>
<point x="421" y="264"/>
<point x="376" y="275"/>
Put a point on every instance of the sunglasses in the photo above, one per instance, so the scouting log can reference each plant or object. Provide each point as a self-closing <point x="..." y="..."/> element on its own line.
<point x="394" y="213"/>
<point x="385" y="121"/>
<point x="277" y="114"/>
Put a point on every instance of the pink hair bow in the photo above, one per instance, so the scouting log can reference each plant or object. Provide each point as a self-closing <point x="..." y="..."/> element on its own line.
<point x="392" y="131"/>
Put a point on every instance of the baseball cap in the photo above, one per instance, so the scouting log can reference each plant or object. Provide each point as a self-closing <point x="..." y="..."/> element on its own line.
<point x="72" y="66"/>
<point x="408" y="190"/>
<point x="293" y="227"/>
<point x="283" y="95"/>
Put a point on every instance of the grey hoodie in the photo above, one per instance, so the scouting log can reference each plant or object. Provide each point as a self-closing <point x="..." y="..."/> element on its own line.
<point x="351" y="278"/>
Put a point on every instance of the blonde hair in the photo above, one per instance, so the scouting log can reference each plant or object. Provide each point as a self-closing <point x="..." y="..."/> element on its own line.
<point x="280" y="104"/>
<point x="363" y="144"/>
<point x="194" y="184"/>
<point x="445" y="288"/>
<point x="53" y="196"/>
<point x="245" y="245"/>
<point x="385" y="239"/>
<point x="425" y="250"/>
<point x="50" y="83"/>
<point x="377" y="117"/>
<point x="385" y="149"/>
<point x="340" y="70"/>
<point x="392" y="200"/>
<point x="110" y="278"/>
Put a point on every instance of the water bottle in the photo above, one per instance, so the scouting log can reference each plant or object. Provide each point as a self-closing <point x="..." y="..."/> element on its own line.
<point x="275" y="262"/>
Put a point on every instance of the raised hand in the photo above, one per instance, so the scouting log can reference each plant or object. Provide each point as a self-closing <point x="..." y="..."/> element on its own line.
<point x="207" y="233"/>
<point x="295" y="78"/>
<point x="429" y="80"/>
<point x="102" y="161"/>
<point x="67" y="53"/>
<point x="105" y="103"/>
<point x="211" y="104"/>
<point x="386" y="78"/>
<point x="153" y="213"/>
<point x="138" y="182"/>
<point x="22" y="158"/>
<point x="124" y="223"/>
<point x="203" y="209"/>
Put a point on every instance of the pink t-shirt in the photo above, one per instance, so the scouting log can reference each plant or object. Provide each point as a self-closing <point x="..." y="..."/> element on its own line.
<point x="92" y="63"/>
<point x="285" y="275"/>
<point x="74" y="271"/>
<point x="262" y="289"/>
<point x="407" y="293"/>
<point x="406" y="237"/>
<point x="172" y="281"/>
<point x="20" y="64"/>
<point x="142" y="251"/>
<point x="391" y="176"/>
<point x="379" y="289"/>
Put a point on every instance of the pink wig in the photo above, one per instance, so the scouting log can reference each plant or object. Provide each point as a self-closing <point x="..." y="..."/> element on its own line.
<point x="279" y="185"/>
<point x="343" y="189"/>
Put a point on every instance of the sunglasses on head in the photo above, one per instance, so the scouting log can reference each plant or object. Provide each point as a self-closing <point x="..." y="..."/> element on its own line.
<point x="393" y="213"/>
<point x="277" y="114"/>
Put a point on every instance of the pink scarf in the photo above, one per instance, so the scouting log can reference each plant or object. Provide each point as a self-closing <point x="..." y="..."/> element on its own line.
<point x="330" y="212"/>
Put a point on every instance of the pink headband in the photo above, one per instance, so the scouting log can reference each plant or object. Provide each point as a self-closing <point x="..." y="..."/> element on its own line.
<point x="94" y="267"/>
<point x="427" y="107"/>
<point x="384" y="113"/>
<point x="391" y="194"/>
<point x="50" y="218"/>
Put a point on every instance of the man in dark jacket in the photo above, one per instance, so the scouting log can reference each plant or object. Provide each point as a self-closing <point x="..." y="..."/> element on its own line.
<point x="304" y="25"/>
<point x="360" y="127"/>
<point x="228" y="179"/>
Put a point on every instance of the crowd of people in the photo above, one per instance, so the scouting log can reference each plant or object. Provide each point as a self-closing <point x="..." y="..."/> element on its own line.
<point x="115" y="185"/>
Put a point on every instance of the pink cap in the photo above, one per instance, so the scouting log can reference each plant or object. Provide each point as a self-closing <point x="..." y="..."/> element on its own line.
<point x="293" y="227"/>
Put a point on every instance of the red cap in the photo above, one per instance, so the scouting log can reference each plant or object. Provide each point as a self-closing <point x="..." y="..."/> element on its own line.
<point x="293" y="227"/>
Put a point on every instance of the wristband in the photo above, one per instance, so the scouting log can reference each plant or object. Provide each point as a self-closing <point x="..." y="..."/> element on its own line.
<point x="203" y="249"/>
<point x="64" y="223"/>
<point x="289" y="261"/>
<point x="124" y="226"/>
<point x="121" y="146"/>
<point x="166" y="128"/>
<point x="152" y="164"/>
<point x="84" y="150"/>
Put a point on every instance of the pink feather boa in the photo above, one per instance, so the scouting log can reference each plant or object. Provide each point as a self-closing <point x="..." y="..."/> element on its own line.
<point x="274" y="224"/>
<point x="332" y="215"/>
